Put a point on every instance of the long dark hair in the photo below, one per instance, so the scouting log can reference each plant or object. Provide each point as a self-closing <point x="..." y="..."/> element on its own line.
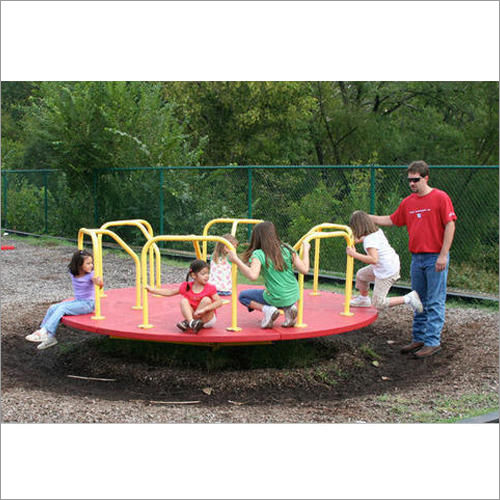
<point x="77" y="261"/>
<point x="195" y="267"/>
<point x="265" y="237"/>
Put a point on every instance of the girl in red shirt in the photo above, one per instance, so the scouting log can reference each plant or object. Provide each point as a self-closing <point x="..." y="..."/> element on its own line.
<point x="199" y="298"/>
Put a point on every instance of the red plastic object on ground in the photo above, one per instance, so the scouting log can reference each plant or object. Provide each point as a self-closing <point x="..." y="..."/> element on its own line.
<point x="8" y="247"/>
<point x="321" y="314"/>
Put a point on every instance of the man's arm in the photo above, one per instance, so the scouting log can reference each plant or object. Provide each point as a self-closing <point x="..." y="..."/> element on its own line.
<point x="381" y="220"/>
<point x="449" y="233"/>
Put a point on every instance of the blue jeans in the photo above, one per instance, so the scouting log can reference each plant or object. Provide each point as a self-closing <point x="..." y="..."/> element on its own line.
<point x="255" y="294"/>
<point x="69" y="308"/>
<point x="431" y="286"/>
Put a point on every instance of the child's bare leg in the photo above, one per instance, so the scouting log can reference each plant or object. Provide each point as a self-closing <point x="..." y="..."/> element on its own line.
<point x="363" y="278"/>
<point x="186" y="309"/>
<point x="206" y="317"/>
<point x="396" y="301"/>
<point x="256" y="305"/>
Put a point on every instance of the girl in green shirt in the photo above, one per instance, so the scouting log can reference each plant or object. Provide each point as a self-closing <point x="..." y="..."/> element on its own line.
<point x="268" y="256"/>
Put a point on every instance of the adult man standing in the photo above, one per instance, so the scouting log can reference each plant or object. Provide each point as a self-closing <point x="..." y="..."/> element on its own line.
<point x="429" y="218"/>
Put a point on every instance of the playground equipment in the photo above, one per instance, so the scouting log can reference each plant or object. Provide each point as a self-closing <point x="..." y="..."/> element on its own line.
<point x="326" y="313"/>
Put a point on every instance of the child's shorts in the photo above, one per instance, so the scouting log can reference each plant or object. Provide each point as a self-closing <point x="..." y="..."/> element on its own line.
<point x="223" y="294"/>
<point x="211" y="323"/>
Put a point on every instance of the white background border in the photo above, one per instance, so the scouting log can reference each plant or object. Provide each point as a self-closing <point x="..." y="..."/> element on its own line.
<point x="250" y="41"/>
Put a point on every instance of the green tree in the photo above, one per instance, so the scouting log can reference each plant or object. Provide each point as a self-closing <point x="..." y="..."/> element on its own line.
<point x="84" y="126"/>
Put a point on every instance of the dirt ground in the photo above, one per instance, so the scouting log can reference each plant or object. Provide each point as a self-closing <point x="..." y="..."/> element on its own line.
<point x="342" y="385"/>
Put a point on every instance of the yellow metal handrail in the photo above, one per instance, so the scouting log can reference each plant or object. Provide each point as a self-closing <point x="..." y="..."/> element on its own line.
<point x="195" y="239"/>
<point x="97" y="246"/>
<point x="97" y="270"/>
<point x="234" y="227"/>
<point x="147" y="231"/>
<point x="318" y="235"/>
<point x="319" y="228"/>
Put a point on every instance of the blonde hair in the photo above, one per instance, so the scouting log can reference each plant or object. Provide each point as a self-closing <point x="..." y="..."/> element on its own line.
<point x="219" y="247"/>
<point x="361" y="224"/>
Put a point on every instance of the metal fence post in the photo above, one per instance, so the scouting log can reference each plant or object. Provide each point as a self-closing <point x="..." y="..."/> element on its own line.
<point x="94" y="188"/>
<point x="249" y="171"/>
<point x="46" y="202"/>
<point x="4" y="198"/>
<point x="162" y="228"/>
<point x="372" y="189"/>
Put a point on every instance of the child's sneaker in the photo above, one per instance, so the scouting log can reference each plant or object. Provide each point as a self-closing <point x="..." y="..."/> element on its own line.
<point x="270" y="314"/>
<point x="290" y="316"/>
<point x="361" y="301"/>
<point x="38" y="336"/>
<point x="49" y="342"/>
<point x="196" y="325"/>
<point x="183" y="325"/>
<point x="414" y="301"/>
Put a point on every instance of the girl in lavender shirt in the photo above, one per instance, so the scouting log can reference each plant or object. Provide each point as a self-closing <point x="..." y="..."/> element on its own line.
<point x="81" y="268"/>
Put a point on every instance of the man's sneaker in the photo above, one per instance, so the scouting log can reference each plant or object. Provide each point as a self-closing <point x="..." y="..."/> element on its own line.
<point x="196" y="325"/>
<point x="414" y="302"/>
<point x="183" y="325"/>
<point x="49" y="342"/>
<point x="37" y="336"/>
<point x="290" y="316"/>
<point x="361" y="301"/>
<point x="270" y="314"/>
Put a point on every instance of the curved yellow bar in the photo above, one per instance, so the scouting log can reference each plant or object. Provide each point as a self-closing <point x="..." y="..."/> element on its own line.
<point x="234" y="227"/>
<point x="319" y="228"/>
<point x="147" y="231"/>
<point x="195" y="239"/>
<point x="318" y="235"/>
<point x="98" y="258"/>
<point x="97" y="271"/>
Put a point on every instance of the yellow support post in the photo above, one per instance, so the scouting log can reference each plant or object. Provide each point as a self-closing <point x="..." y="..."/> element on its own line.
<point x="97" y="272"/>
<point x="300" y="309"/>
<point x="316" y="267"/>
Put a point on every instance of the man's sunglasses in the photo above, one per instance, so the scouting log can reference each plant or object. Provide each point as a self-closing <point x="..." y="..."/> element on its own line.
<point x="414" y="179"/>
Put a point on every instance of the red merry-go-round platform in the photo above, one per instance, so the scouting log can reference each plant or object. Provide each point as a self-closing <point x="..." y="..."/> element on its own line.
<point x="321" y="314"/>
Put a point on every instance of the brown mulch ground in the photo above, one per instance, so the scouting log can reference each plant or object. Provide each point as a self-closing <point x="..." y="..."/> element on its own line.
<point x="341" y="385"/>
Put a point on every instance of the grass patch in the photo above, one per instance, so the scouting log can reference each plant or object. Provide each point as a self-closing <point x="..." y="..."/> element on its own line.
<point x="369" y="353"/>
<point x="465" y="277"/>
<point x="441" y="409"/>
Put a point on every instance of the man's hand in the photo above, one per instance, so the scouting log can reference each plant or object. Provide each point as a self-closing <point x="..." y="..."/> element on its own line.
<point x="441" y="263"/>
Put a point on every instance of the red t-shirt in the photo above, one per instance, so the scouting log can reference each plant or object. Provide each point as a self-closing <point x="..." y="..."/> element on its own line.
<point x="195" y="298"/>
<point x="425" y="218"/>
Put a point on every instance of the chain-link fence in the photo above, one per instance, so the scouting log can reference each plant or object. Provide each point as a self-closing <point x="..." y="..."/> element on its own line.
<point x="181" y="200"/>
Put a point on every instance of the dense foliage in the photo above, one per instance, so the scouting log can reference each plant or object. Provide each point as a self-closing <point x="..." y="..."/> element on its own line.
<point x="79" y="130"/>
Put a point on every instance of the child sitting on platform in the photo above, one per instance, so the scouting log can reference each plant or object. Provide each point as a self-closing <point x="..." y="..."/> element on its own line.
<point x="81" y="268"/>
<point x="199" y="298"/>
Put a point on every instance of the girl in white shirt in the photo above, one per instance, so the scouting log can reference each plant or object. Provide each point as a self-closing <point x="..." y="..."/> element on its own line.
<point x="382" y="268"/>
<point x="220" y="267"/>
